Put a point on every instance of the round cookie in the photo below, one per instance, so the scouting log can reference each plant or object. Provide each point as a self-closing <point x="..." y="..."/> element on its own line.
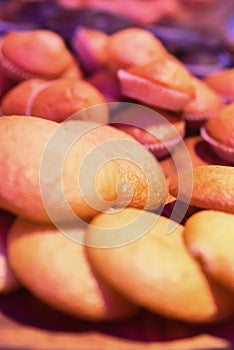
<point x="213" y="187"/>
<point x="212" y="248"/>
<point x="56" y="270"/>
<point x="156" y="271"/>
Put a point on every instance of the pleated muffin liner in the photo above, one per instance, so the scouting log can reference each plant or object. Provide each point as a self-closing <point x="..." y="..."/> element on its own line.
<point x="159" y="148"/>
<point x="222" y="151"/>
<point x="195" y="120"/>
<point x="11" y="70"/>
<point x="152" y="93"/>
<point x="34" y="94"/>
<point x="164" y="148"/>
<point x="85" y="52"/>
<point x="15" y="73"/>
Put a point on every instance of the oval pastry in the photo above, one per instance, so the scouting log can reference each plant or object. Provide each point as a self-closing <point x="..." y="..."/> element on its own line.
<point x="156" y="271"/>
<point x="212" y="248"/>
<point x="56" y="270"/>
<point x="79" y="166"/>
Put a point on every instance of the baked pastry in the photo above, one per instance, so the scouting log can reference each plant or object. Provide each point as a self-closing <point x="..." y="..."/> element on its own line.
<point x="157" y="130"/>
<point x="133" y="47"/>
<point x="17" y="100"/>
<point x="205" y="105"/>
<point x="77" y="166"/>
<point x="222" y="82"/>
<point x="213" y="187"/>
<point x="155" y="270"/>
<point x="55" y="100"/>
<point x="163" y="83"/>
<point x="218" y="132"/>
<point x="56" y="270"/>
<point x="212" y="248"/>
<point x="47" y="56"/>
<point x="199" y="152"/>
<point x="90" y="47"/>
<point x="108" y="84"/>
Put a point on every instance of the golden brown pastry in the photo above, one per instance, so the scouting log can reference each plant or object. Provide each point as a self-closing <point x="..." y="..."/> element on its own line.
<point x="56" y="270"/>
<point x="209" y="236"/>
<point x="155" y="271"/>
<point x="73" y="168"/>
<point x="213" y="187"/>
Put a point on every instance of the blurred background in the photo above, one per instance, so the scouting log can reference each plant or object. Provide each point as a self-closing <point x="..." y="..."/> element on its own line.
<point x="199" y="32"/>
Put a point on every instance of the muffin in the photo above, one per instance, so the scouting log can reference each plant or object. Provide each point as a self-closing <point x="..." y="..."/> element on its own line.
<point x="222" y="82"/>
<point x="55" y="100"/>
<point x="133" y="47"/>
<point x="18" y="99"/>
<point x="107" y="84"/>
<point x="218" y="132"/>
<point x="47" y="56"/>
<point x="158" y="131"/>
<point x="205" y="105"/>
<point x="90" y="48"/>
<point x="165" y="84"/>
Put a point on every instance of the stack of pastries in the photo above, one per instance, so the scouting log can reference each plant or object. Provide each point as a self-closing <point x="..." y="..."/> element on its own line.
<point x="117" y="181"/>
